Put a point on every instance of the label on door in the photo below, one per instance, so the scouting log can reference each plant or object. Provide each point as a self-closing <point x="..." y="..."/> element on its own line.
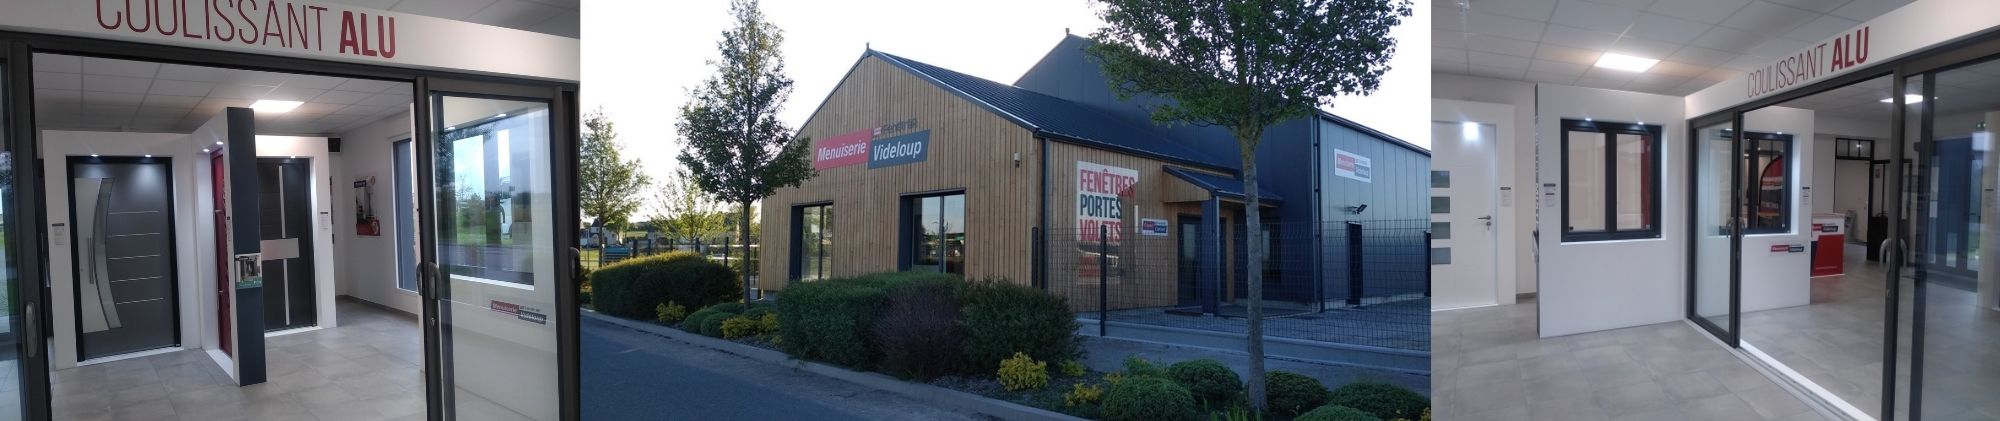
<point x="1506" y="197"/>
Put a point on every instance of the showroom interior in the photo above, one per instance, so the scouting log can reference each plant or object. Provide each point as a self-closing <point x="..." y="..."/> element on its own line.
<point x="234" y="224"/>
<point x="1807" y="182"/>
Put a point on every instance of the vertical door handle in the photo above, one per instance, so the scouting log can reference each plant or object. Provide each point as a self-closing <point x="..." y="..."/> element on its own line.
<point x="427" y="275"/>
<point x="32" y="331"/>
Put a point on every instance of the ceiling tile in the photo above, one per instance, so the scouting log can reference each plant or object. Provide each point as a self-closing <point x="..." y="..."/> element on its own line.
<point x="1537" y="10"/>
<point x="168" y="101"/>
<point x="1667" y="28"/>
<point x="1746" y="62"/>
<point x="1555" y="78"/>
<point x="1594" y="16"/>
<point x="1700" y="56"/>
<point x="53" y="80"/>
<point x="1610" y="74"/>
<point x="1496" y="72"/>
<point x="58" y="63"/>
<point x="1779" y="47"/>
<point x="1512" y="47"/>
<point x="1481" y="58"/>
<point x="1728" y="39"/>
<point x="347" y="97"/>
<point x="181" y="88"/>
<point x="448" y="9"/>
<point x="1504" y="26"/>
<point x="240" y="91"/>
<point x="312" y="82"/>
<point x="1826" y="26"/>
<point x="1438" y="55"/>
<point x="567" y="24"/>
<point x="514" y="14"/>
<point x="1675" y="68"/>
<point x="1555" y="67"/>
<point x="1449" y="39"/>
<point x="317" y="108"/>
<point x="1704" y="11"/>
<point x="1567" y="54"/>
<point x="383" y="100"/>
<point x="115" y="67"/>
<point x="120" y="84"/>
<point x="1768" y="18"/>
<point x="369" y="86"/>
<point x="1579" y="38"/>
<point x="193" y="73"/>
<point x="1862" y="10"/>
<point x="288" y="93"/>
<point x="1644" y="48"/>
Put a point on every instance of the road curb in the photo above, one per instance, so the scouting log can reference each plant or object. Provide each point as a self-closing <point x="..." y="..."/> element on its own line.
<point x="948" y="398"/>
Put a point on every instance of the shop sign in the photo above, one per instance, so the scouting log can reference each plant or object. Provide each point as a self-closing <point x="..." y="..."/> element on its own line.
<point x="1840" y="53"/>
<point x="1101" y="192"/>
<point x="1355" y="167"/>
<point x="286" y="24"/>
<point x="1153" y="227"/>
<point x="883" y="146"/>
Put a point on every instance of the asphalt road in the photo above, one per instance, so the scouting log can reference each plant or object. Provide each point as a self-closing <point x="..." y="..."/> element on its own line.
<point x="633" y="375"/>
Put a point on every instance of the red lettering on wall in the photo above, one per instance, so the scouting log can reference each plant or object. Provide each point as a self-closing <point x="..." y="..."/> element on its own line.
<point x="117" y="17"/>
<point x="386" y="44"/>
<point x="349" y="42"/>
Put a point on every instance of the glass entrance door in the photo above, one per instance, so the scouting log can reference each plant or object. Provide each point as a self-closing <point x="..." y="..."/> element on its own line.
<point x="24" y="369"/>
<point x="499" y="283"/>
<point x="1712" y="280"/>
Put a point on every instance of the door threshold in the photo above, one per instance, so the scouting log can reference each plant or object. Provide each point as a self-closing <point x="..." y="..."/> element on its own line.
<point x="131" y="355"/>
<point x="291" y="331"/>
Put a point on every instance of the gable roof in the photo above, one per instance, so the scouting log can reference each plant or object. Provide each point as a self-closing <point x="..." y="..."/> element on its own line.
<point x="1059" y="119"/>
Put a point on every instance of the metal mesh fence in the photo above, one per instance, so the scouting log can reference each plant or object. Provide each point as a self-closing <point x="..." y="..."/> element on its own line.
<point x="1349" y="282"/>
<point x="725" y="249"/>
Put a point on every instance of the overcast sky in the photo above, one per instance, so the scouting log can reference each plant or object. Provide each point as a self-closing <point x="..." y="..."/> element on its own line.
<point x="640" y="57"/>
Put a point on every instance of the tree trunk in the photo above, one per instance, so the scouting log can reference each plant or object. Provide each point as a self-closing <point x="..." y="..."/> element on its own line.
<point x="743" y="236"/>
<point x="1254" y="276"/>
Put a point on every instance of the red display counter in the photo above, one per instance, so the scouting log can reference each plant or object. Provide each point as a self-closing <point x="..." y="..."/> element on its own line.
<point x="1830" y="236"/>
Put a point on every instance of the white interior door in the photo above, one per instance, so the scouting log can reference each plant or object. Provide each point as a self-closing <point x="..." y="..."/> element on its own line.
<point x="1464" y="270"/>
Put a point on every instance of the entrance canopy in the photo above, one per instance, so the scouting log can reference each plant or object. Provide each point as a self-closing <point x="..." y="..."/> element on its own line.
<point x="1224" y="187"/>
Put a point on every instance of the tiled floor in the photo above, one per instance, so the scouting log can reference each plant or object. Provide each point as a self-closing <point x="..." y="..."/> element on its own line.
<point x="1488" y="364"/>
<point x="1836" y="343"/>
<point x="369" y="368"/>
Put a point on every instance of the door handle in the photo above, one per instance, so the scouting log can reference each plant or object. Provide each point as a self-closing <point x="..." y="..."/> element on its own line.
<point x="33" y="331"/>
<point x="428" y="274"/>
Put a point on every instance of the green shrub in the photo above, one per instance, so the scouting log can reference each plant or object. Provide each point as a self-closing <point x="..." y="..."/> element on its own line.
<point x="728" y="307"/>
<point x="1002" y="318"/>
<point x="634" y="288"/>
<point x="712" y="326"/>
<point x="1020" y="372"/>
<point x="767" y="324"/>
<point x="828" y="320"/>
<point x="738" y="326"/>
<point x="672" y="312"/>
<point x="918" y="333"/>
<point x="1208" y="379"/>
<point x="1148" y="399"/>
<point x="1136" y="366"/>
<point x="1385" y="401"/>
<point x="1290" y="394"/>
<point x="1336" y="413"/>
<point x="1083" y="395"/>
<point x="1073" y="368"/>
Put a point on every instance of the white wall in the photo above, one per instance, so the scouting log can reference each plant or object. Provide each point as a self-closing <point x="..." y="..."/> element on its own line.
<point x="1612" y="284"/>
<point x="369" y="262"/>
<point x="57" y="147"/>
<point x="1518" y="160"/>
<point x="1778" y="280"/>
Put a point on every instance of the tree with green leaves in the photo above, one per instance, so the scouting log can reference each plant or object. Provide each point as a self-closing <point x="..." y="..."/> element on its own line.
<point x="683" y="211"/>
<point x="737" y="150"/>
<point x="608" y="185"/>
<point x="1245" y="65"/>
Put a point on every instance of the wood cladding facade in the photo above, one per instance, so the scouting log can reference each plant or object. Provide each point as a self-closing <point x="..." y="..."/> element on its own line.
<point x="972" y="149"/>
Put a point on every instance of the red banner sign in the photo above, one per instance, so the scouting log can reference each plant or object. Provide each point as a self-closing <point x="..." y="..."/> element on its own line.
<point x="843" y="150"/>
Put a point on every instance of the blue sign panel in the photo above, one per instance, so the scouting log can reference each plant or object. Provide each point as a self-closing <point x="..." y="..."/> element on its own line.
<point x="899" y="150"/>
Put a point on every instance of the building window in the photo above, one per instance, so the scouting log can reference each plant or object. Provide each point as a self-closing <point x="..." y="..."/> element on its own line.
<point x="812" y="242"/>
<point x="1611" y="180"/>
<point x="1769" y="207"/>
<point x="1853" y="148"/>
<point x="934" y="237"/>
<point x="406" y="215"/>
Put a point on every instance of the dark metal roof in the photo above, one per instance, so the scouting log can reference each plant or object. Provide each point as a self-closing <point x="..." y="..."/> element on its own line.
<point x="1378" y="134"/>
<point x="1061" y="119"/>
<point x="1225" y="186"/>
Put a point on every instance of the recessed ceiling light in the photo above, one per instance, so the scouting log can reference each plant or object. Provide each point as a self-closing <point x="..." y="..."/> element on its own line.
<point x="1907" y="99"/>
<point x="451" y="127"/>
<point x="1624" y="62"/>
<point x="218" y="143"/>
<point x="274" y="106"/>
<point x="1469" y="130"/>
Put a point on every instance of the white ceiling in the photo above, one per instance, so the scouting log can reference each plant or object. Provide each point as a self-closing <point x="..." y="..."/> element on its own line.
<point x="87" y="93"/>
<point x="1971" y="89"/>
<point x="554" y="17"/>
<point x="1699" y="42"/>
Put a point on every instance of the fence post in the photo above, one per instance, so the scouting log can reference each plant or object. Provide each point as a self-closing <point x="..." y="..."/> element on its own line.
<point x="1035" y="259"/>
<point x="726" y="245"/>
<point x="1354" y="287"/>
<point x="1427" y="263"/>
<point x="1103" y="276"/>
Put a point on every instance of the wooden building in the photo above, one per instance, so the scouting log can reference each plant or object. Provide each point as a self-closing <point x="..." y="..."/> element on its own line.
<point x="924" y="168"/>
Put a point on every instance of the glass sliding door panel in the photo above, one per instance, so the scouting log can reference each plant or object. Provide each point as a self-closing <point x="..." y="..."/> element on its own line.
<point x="1586" y="182"/>
<point x="14" y="374"/>
<point x="496" y="258"/>
<point x="1635" y="183"/>
<point x="1714" y="229"/>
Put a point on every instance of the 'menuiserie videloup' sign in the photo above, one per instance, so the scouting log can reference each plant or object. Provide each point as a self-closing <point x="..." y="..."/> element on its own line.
<point x="884" y="146"/>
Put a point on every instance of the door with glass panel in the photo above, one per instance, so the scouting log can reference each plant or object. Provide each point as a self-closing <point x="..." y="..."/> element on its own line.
<point x="1716" y="229"/>
<point x="497" y="168"/>
<point x="24" y="378"/>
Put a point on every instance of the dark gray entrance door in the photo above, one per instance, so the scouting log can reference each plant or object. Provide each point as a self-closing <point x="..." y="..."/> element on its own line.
<point x="122" y="212"/>
<point x="285" y="222"/>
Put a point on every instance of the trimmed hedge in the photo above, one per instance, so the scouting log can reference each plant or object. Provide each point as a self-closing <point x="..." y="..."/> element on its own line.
<point x="828" y="320"/>
<point x="1002" y="318"/>
<point x="918" y="332"/>
<point x="1208" y="379"/>
<point x="634" y="288"/>
<point x="1291" y="394"/>
<point x="1337" y="413"/>
<point x="1149" y="399"/>
<point x="1383" y="400"/>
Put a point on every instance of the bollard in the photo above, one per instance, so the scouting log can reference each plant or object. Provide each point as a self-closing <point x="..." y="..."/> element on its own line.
<point x="1354" y="287"/>
<point x="1427" y="264"/>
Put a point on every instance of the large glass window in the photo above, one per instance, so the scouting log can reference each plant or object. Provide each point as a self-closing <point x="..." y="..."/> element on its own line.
<point x="1768" y="206"/>
<point x="1611" y="180"/>
<point x="814" y="242"/>
<point x="936" y="229"/>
